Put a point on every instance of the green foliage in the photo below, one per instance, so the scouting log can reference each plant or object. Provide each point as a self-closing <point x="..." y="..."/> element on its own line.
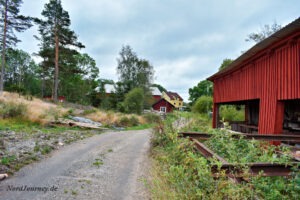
<point x="46" y="149"/>
<point x="98" y="162"/>
<point x="225" y="63"/>
<point x="7" y="160"/>
<point x="10" y="23"/>
<point x="56" y="39"/>
<point x="12" y="110"/>
<point x="152" y="118"/>
<point x="203" y="88"/>
<point x="21" y="73"/>
<point x="232" y="113"/>
<point x="182" y="173"/>
<point x="134" y="72"/>
<point x="203" y="104"/>
<point x="89" y="111"/>
<point x="134" y="101"/>
<point x="239" y="150"/>
<point x="128" y="121"/>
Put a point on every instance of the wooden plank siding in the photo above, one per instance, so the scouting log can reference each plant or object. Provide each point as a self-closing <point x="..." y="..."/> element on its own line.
<point x="271" y="75"/>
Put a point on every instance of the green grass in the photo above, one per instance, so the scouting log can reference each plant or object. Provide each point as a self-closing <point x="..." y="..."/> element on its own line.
<point x="23" y="125"/>
<point x="140" y="127"/>
<point x="98" y="162"/>
<point x="17" y="124"/>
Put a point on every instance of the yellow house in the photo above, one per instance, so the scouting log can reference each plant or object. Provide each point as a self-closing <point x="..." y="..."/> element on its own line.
<point x="173" y="98"/>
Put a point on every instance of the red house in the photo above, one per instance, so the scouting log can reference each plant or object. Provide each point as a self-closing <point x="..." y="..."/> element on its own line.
<point x="163" y="106"/>
<point x="266" y="79"/>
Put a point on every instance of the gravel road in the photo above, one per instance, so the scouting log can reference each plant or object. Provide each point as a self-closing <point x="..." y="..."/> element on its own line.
<point x="112" y="165"/>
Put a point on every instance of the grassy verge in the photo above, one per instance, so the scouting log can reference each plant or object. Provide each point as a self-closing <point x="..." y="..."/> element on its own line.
<point x="140" y="127"/>
<point x="181" y="173"/>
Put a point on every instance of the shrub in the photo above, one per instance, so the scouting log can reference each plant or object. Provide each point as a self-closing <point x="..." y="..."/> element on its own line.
<point x="12" y="110"/>
<point x="124" y="121"/>
<point x="152" y="118"/>
<point x="134" y="101"/>
<point x="133" y="121"/>
<point x="203" y="104"/>
<point x="231" y="113"/>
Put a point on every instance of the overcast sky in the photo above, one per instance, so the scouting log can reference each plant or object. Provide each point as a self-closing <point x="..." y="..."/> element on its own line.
<point x="185" y="40"/>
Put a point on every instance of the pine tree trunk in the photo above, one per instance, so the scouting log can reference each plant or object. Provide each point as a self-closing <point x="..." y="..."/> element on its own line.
<point x="55" y="97"/>
<point x="3" y="50"/>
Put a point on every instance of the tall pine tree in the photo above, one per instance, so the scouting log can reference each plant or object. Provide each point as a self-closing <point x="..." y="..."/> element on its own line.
<point x="10" y="22"/>
<point x="56" y="34"/>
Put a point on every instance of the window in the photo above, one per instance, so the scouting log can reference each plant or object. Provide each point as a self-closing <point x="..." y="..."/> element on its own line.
<point x="163" y="109"/>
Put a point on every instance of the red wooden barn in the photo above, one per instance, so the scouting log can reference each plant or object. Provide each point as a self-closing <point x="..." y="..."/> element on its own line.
<point x="163" y="106"/>
<point x="266" y="79"/>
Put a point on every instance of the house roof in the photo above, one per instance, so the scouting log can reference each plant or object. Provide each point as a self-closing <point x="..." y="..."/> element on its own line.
<point x="174" y="95"/>
<point x="155" y="91"/>
<point x="160" y="100"/>
<point x="109" y="88"/>
<point x="290" y="29"/>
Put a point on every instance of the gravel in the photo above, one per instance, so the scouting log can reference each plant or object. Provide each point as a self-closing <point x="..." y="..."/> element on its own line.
<point x="113" y="165"/>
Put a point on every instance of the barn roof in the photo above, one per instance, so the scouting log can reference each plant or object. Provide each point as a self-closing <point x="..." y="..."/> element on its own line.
<point x="291" y="28"/>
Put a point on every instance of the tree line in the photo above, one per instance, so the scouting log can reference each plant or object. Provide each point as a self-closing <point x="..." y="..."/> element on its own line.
<point x="63" y="70"/>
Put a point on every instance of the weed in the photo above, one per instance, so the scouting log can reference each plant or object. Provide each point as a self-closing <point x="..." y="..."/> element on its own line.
<point x="124" y="121"/>
<point x="152" y="118"/>
<point x="98" y="162"/>
<point x="110" y="150"/>
<point x="8" y="160"/>
<point x="45" y="150"/>
<point x="74" y="192"/>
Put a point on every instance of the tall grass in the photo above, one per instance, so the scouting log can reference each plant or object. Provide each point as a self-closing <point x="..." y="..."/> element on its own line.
<point x="35" y="110"/>
<point x="110" y="118"/>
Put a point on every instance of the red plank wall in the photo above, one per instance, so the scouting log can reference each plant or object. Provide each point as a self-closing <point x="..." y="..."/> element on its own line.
<point x="271" y="76"/>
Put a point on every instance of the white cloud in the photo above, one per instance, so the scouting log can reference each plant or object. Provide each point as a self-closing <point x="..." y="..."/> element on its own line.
<point x="185" y="41"/>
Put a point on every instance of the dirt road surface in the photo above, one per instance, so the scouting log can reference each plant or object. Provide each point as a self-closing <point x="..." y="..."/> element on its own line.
<point x="112" y="165"/>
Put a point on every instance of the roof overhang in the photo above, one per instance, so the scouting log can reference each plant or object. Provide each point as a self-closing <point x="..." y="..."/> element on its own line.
<point x="290" y="29"/>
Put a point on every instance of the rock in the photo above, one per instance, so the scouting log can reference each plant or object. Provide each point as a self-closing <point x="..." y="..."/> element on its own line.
<point x="3" y="176"/>
<point x="85" y="120"/>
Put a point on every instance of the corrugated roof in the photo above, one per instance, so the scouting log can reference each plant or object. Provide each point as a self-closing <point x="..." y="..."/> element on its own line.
<point x="155" y="91"/>
<point x="291" y="28"/>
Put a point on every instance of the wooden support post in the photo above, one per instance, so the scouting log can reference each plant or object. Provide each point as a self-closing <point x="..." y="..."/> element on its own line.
<point x="215" y="115"/>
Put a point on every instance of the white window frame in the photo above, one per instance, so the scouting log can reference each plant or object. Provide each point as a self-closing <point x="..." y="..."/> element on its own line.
<point x="163" y="109"/>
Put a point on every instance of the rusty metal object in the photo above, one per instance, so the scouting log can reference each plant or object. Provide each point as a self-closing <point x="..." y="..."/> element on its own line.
<point x="265" y="137"/>
<point x="206" y="152"/>
<point x="237" y="172"/>
<point x="255" y="169"/>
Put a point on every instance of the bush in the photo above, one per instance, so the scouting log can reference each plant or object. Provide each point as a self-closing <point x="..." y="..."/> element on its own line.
<point x="134" y="121"/>
<point x="152" y="118"/>
<point x="124" y="121"/>
<point x="203" y="104"/>
<point x="127" y="122"/>
<point x="231" y="113"/>
<point x="12" y="110"/>
<point x="134" y="101"/>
